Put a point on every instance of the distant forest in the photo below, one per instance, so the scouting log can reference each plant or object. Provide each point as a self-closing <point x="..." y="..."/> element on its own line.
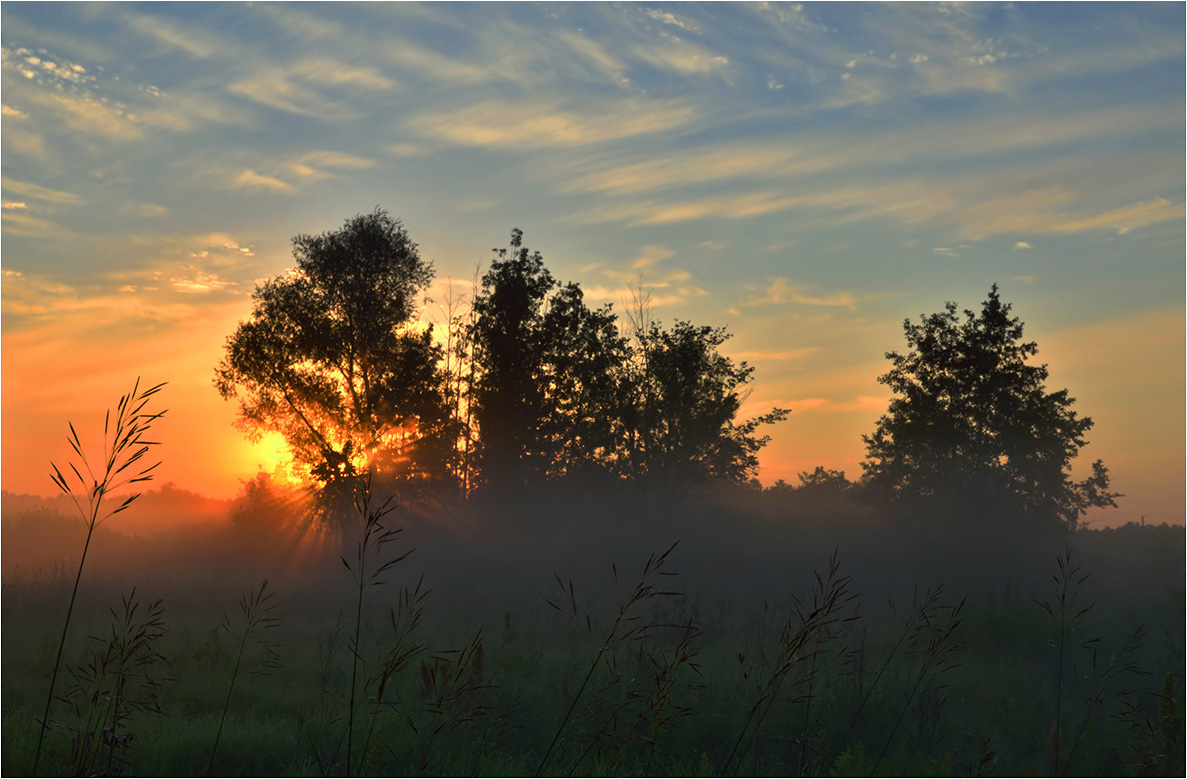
<point x="528" y="388"/>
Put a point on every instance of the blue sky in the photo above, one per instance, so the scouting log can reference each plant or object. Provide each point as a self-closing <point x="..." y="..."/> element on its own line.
<point x="807" y="175"/>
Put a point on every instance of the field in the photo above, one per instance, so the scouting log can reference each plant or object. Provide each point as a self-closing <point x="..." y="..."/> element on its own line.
<point x="767" y="641"/>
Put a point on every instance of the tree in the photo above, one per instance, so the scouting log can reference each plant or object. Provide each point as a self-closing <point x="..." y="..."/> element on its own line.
<point x="507" y="334"/>
<point x="687" y="395"/>
<point x="823" y="481"/>
<point x="331" y="359"/>
<point x="972" y="427"/>
<point x="545" y="373"/>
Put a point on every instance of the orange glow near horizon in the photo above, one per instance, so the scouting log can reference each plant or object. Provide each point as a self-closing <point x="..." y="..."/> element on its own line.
<point x="65" y="371"/>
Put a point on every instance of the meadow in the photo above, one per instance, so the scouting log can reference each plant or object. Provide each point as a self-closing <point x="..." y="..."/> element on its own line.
<point x="716" y="634"/>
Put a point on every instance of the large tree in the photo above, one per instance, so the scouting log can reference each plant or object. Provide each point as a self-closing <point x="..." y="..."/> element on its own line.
<point x="972" y="428"/>
<point x="331" y="357"/>
<point x="686" y="396"/>
<point x="546" y="371"/>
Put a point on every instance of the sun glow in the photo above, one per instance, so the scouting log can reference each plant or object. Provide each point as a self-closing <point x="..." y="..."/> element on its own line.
<point x="271" y="455"/>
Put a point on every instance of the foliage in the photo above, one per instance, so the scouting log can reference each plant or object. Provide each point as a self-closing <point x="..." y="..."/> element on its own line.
<point x="823" y="481"/>
<point x="972" y="426"/>
<point x="686" y="396"/>
<point x="331" y="360"/>
<point x="546" y="372"/>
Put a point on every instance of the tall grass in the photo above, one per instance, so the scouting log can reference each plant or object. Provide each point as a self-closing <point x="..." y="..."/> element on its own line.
<point x="367" y="569"/>
<point x="256" y="608"/>
<point x="625" y="627"/>
<point x="124" y="449"/>
<point x="116" y="682"/>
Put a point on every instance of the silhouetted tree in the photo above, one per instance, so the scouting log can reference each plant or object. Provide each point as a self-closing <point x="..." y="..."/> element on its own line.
<point x="331" y="359"/>
<point x="546" y="371"/>
<point x="586" y="397"/>
<point x="972" y="428"/>
<point x="507" y="335"/>
<point x="686" y="395"/>
<point x="823" y="481"/>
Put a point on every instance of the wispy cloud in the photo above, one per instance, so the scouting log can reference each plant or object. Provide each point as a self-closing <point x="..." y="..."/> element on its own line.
<point x="38" y="192"/>
<point x="781" y="291"/>
<point x="289" y="175"/>
<point x="148" y="210"/>
<point x="250" y="180"/>
<point x="312" y="87"/>
<point x="530" y="126"/>
<point x="191" y="41"/>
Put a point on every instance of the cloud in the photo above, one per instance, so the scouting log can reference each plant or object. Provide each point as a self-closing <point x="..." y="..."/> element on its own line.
<point x="409" y="150"/>
<point x="8" y="112"/>
<point x="776" y="355"/>
<point x="290" y="175"/>
<point x="1022" y="245"/>
<point x="649" y="256"/>
<point x="188" y="40"/>
<point x="782" y="291"/>
<point x="670" y="18"/>
<point x="192" y="280"/>
<point x="149" y="210"/>
<point x="38" y="192"/>
<point x="723" y="207"/>
<point x="315" y="163"/>
<point x="185" y="112"/>
<point x="680" y="57"/>
<point x="1121" y="219"/>
<point x="311" y="87"/>
<point x="87" y="115"/>
<point x="29" y="226"/>
<point x="249" y="179"/>
<point x="438" y="66"/>
<point x="499" y="124"/>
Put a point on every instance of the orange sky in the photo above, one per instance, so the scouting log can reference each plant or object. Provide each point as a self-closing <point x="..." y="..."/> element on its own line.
<point x="76" y="366"/>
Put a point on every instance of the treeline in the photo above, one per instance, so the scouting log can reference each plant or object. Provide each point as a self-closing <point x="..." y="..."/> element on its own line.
<point x="528" y="384"/>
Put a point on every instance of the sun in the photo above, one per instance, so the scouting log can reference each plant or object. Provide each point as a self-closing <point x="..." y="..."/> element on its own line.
<point x="271" y="455"/>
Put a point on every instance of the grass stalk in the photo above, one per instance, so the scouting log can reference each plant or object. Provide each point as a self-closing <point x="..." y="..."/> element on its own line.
<point x="644" y="590"/>
<point x="376" y="536"/>
<point x="1064" y="610"/>
<point x="256" y="608"/>
<point x="122" y="465"/>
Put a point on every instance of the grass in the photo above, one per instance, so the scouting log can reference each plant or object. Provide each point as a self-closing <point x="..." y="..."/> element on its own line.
<point x="504" y="719"/>
<point x="122" y="465"/>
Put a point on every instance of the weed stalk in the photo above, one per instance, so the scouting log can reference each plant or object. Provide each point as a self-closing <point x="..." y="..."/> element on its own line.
<point x="123" y="454"/>
<point x="256" y="607"/>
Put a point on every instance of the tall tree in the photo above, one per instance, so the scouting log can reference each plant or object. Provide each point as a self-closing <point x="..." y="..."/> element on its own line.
<point x="331" y="359"/>
<point x="686" y="397"/>
<point x="507" y="334"/>
<point x="972" y="427"/>
<point x="546" y="373"/>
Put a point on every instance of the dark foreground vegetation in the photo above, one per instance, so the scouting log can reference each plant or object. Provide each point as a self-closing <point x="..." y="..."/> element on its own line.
<point x="787" y="633"/>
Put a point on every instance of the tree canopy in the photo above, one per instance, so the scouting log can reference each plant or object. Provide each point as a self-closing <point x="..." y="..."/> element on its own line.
<point x="331" y="359"/>
<point x="559" y="391"/>
<point x="686" y="398"/>
<point x="972" y="427"/>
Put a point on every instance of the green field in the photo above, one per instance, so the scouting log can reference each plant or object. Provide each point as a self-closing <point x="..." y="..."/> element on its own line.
<point x="532" y="651"/>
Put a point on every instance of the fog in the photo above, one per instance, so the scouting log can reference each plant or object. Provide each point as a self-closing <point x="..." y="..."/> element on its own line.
<point x="734" y="548"/>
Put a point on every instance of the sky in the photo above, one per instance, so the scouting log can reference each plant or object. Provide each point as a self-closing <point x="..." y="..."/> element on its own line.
<point x="807" y="176"/>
